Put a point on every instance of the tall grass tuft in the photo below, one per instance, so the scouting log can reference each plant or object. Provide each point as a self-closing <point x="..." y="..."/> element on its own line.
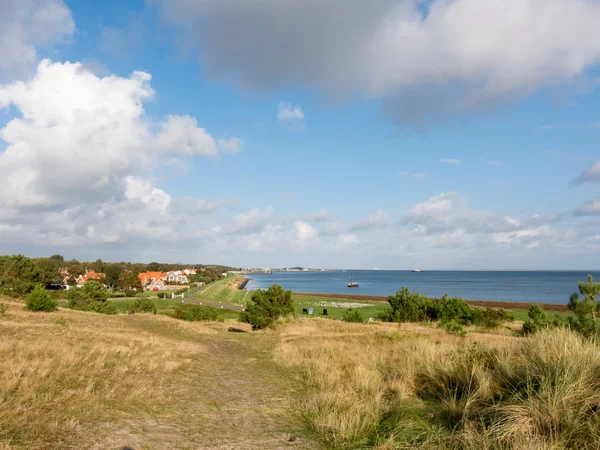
<point x="415" y="386"/>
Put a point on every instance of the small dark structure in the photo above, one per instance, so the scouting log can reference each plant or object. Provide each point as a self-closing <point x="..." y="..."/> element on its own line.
<point x="304" y="311"/>
<point x="236" y="330"/>
<point x="324" y="312"/>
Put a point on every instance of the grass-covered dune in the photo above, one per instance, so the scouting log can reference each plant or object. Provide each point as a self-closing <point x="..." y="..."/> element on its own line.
<point x="390" y="386"/>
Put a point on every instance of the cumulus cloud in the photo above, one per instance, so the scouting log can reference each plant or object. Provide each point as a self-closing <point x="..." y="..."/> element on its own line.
<point x="589" y="175"/>
<point x="450" y="161"/>
<point x="304" y="231"/>
<point x="447" y="218"/>
<point x="373" y="220"/>
<point x="231" y="145"/>
<point x="397" y="51"/>
<point x="75" y="153"/>
<point x="26" y="25"/>
<point x="253" y="220"/>
<point x="319" y="216"/>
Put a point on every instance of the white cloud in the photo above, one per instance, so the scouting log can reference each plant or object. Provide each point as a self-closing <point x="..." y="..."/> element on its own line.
<point x="252" y="221"/>
<point x="76" y="150"/>
<point x="304" y="231"/>
<point x="344" y="241"/>
<point x="495" y="163"/>
<point x="416" y="175"/>
<point x="231" y="145"/>
<point x="26" y="25"/>
<point x="289" y="112"/>
<point x="333" y="228"/>
<point x="450" y="161"/>
<point x="399" y="52"/>
<point x="319" y="216"/>
<point x="589" y="175"/>
<point x="373" y="220"/>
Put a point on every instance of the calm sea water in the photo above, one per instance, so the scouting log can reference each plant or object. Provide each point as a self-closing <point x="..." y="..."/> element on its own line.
<point x="542" y="287"/>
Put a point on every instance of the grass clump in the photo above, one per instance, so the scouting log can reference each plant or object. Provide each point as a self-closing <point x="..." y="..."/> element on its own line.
<point x="3" y="308"/>
<point x="40" y="300"/>
<point x="353" y="316"/>
<point x="143" y="305"/>
<point x="267" y="306"/>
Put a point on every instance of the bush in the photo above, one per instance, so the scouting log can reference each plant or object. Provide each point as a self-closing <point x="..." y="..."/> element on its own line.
<point x="538" y="320"/>
<point x="91" y="297"/>
<point x="267" y="306"/>
<point x="163" y="295"/>
<point x="407" y="307"/>
<point x="453" y="327"/>
<point x="144" y="305"/>
<point x="451" y="309"/>
<point x="117" y="294"/>
<point x="40" y="300"/>
<point x="353" y="315"/>
<point x="491" y="318"/>
<point x="195" y="313"/>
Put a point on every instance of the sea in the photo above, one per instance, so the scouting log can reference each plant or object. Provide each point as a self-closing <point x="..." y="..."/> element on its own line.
<point x="516" y="286"/>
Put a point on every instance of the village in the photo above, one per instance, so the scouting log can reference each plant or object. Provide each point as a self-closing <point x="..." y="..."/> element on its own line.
<point x="150" y="281"/>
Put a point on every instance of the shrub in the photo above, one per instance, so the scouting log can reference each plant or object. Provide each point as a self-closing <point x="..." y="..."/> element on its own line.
<point x="118" y="294"/>
<point x="491" y="318"/>
<point x="195" y="313"/>
<point x="91" y="297"/>
<point x="3" y="308"/>
<point x="538" y="320"/>
<point x="353" y="315"/>
<point x="267" y="306"/>
<point x="162" y="295"/>
<point x="451" y="309"/>
<point x="407" y="307"/>
<point x="144" y="305"/>
<point x="40" y="300"/>
<point x="453" y="327"/>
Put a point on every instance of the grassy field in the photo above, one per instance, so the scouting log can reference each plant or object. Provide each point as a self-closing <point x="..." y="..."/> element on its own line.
<point x="390" y="386"/>
<point x="72" y="380"/>
<point x="222" y="291"/>
<point x="167" y="306"/>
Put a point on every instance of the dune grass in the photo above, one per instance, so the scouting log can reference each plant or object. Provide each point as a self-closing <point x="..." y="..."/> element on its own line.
<point x="72" y="379"/>
<point x="388" y="386"/>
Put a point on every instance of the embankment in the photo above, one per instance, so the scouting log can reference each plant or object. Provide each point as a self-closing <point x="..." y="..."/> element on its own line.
<point x="482" y="303"/>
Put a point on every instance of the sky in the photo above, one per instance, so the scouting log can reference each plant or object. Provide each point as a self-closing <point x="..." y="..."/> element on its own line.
<point x="397" y="134"/>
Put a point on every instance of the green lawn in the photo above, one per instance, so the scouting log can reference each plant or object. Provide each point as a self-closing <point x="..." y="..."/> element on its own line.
<point x="220" y="292"/>
<point x="337" y="307"/>
<point x="521" y="314"/>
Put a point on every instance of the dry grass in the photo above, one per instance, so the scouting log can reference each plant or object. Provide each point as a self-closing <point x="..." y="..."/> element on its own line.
<point x="73" y="379"/>
<point x="389" y="386"/>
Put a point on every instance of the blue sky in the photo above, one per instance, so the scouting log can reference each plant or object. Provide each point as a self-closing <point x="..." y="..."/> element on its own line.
<point x="327" y="134"/>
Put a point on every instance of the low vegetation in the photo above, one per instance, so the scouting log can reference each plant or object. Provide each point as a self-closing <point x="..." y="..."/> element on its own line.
<point x="91" y="297"/>
<point x="267" y="306"/>
<point x="39" y="300"/>
<point x="381" y="386"/>
<point x="409" y="306"/>
<point x="195" y="313"/>
<point x="143" y="305"/>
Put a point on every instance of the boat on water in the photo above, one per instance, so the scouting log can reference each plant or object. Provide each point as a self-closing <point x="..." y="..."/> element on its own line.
<point x="417" y="270"/>
<point x="352" y="284"/>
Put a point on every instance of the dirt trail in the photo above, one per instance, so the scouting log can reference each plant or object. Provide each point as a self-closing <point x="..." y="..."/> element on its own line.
<point x="233" y="397"/>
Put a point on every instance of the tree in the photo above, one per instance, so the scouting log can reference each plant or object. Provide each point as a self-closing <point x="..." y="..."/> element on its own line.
<point x="92" y="293"/>
<point x="40" y="300"/>
<point x="112" y="272"/>
<point x="98" y="266"/>
<point x="153" y="267"/>
<point x="585" y="307"/>
<point x="58" y="258"/>
<point x="130" y="282"/>
<point x="49" y="271"/>
<point x="18" y="275"/>
<point x="267" y="306"/>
